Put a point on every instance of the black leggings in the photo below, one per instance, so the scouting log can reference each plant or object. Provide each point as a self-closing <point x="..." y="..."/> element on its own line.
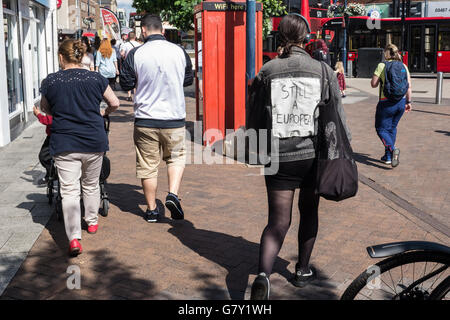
<point x="112" y="82"/>
<point x="280" y="215"/>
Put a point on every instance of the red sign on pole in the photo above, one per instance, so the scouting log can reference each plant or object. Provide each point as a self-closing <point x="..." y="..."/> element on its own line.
<point x="111" y="25"/>
<point x="58" y="4"/>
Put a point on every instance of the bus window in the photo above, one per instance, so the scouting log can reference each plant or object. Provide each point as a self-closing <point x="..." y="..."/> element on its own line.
<point x="444" y="39"/>
<point x="393" y="36"/>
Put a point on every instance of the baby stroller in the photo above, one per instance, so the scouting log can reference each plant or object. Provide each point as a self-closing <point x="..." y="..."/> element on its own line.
<point x="104" y="174"/>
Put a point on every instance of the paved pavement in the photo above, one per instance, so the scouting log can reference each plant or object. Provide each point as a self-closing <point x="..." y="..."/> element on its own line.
<point x="23" y="211"/>
<point x="423" y="89"/>
<point x="213" y="254"/>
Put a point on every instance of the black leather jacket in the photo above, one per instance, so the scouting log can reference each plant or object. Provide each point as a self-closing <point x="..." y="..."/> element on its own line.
<point x="283" y="99"/>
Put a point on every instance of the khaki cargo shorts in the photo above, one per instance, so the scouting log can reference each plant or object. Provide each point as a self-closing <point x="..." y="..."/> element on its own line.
<point x="149" y="142"/>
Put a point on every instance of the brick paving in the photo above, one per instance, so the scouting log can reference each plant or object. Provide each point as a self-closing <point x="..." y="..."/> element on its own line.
<point x="213" y="253"/>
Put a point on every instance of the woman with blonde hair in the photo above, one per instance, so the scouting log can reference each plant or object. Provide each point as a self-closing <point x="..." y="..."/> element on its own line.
<point x="106" y="62"/>
<point x="78" y="138"/>
<point x="394" y="99"/>
<point x="340" y="73"/>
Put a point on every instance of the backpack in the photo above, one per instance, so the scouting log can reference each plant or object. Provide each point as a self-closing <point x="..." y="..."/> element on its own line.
<point x="396" y="80"/>
<point x="321" y="55"/>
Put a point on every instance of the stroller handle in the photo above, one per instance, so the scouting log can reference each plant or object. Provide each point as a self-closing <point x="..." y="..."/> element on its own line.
<point x="107" y="122"/>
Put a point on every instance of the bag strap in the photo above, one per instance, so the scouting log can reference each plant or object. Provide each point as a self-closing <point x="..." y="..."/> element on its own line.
<point x="316" y="139"/>
<point x="324" y="76"/>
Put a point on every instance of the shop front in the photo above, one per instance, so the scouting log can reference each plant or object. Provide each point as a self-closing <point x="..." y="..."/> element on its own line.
<point x="28" y="54"/>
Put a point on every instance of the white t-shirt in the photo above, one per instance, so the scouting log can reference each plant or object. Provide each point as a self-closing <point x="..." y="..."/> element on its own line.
<point x="88" y="61"/>
<point x="128" y="46"/>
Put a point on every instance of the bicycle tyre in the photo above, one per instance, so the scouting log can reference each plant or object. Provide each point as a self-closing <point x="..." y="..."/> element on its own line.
<point x="441" y="290"/>
<point x="392" y="262"/>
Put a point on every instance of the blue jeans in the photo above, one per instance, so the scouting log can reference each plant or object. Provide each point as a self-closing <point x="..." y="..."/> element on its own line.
<point x="386" y="120"/>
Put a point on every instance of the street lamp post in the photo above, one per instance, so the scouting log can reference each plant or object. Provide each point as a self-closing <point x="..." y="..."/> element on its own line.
<point x="344" y="49"/>
<point x="250" y="47"/>
<point x="251" y="20"/>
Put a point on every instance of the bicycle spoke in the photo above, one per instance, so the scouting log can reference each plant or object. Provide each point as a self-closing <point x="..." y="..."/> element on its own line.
<point x="401" y="270"/>
<point x="436" y="279"/>
<point x="393" y="291"/>
<point x="424" y="272"/>
<point x="365" y="296"/>
<point x="394" y="285"/>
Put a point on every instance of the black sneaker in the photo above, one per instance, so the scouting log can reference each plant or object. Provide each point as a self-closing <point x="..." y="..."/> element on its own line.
<point x="152" y="215"/>
<point x="173" y="204"/>
<point x="302" y="279"/>
<point x="395" y="158"/>
<point x="260" y="288"/>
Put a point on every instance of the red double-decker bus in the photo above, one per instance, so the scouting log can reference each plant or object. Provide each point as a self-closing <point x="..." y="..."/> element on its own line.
<point x="426" y="41"/>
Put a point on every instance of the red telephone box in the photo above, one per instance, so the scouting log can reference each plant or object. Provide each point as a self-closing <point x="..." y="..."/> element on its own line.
<point x="220" y="48"/>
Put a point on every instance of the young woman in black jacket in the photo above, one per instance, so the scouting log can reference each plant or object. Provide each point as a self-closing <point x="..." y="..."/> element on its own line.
<point x="283" y="100"/>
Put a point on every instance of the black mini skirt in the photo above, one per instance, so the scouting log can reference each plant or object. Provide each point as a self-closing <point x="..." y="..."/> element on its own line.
<point x="292" y="175"/>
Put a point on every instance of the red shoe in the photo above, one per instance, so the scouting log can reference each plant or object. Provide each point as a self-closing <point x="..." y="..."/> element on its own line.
<point x="75" y="248"/>
<point x="92" y="229"/>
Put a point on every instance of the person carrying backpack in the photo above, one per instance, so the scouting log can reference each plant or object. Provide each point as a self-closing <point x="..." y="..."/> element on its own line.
<point x="321" y="52"/>
<point x="394" y="99"/>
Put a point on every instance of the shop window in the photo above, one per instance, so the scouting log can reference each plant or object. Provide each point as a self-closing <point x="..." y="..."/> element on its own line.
<point x="7" y="4"/>
<point x="13" y="63"/>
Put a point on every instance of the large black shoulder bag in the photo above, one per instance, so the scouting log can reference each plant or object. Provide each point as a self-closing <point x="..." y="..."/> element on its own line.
<point x="337" y="174"/>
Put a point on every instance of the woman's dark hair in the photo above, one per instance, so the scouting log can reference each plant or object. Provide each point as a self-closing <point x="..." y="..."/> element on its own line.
<point x="321" y="45"/>
<point x="97" y="42"/>
<point x="293" y="31"/>
<point x="87" y="43"/>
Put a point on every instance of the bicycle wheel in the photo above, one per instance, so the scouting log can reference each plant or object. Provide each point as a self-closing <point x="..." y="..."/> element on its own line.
<point x="406" y="276"/>
<point x="442" y="291"/>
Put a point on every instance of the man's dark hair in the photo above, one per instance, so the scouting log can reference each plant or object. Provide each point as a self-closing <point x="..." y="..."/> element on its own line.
<point x="152" y="22"/>
<point x="113" y="42"/>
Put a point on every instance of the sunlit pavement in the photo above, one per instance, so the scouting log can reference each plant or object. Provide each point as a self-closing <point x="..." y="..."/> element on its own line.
<point x="213" y="253"/>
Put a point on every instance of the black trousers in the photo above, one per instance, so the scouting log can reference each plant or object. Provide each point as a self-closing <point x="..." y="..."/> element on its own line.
<point x="112" y="82"/>
<point x="44" y="156"/>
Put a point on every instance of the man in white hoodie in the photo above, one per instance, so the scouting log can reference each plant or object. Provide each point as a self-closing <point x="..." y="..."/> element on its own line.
<point x="158" y="70"/>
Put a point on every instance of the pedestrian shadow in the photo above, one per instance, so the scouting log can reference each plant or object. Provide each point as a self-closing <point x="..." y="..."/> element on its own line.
<point x="121" y="116"/>
<point x="34" y="175"/>
<point x="368" y="161"/>
<point x="432" y="112"/>
<point x="235" y="254"/>
<point x="134" y="199"/>
<point x="102" y="277"/>
<point x="447" y="133"/>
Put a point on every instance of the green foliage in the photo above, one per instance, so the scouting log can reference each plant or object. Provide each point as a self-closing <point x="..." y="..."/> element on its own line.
<point x="180" y="13"/>
<point x="271" y="8"/>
